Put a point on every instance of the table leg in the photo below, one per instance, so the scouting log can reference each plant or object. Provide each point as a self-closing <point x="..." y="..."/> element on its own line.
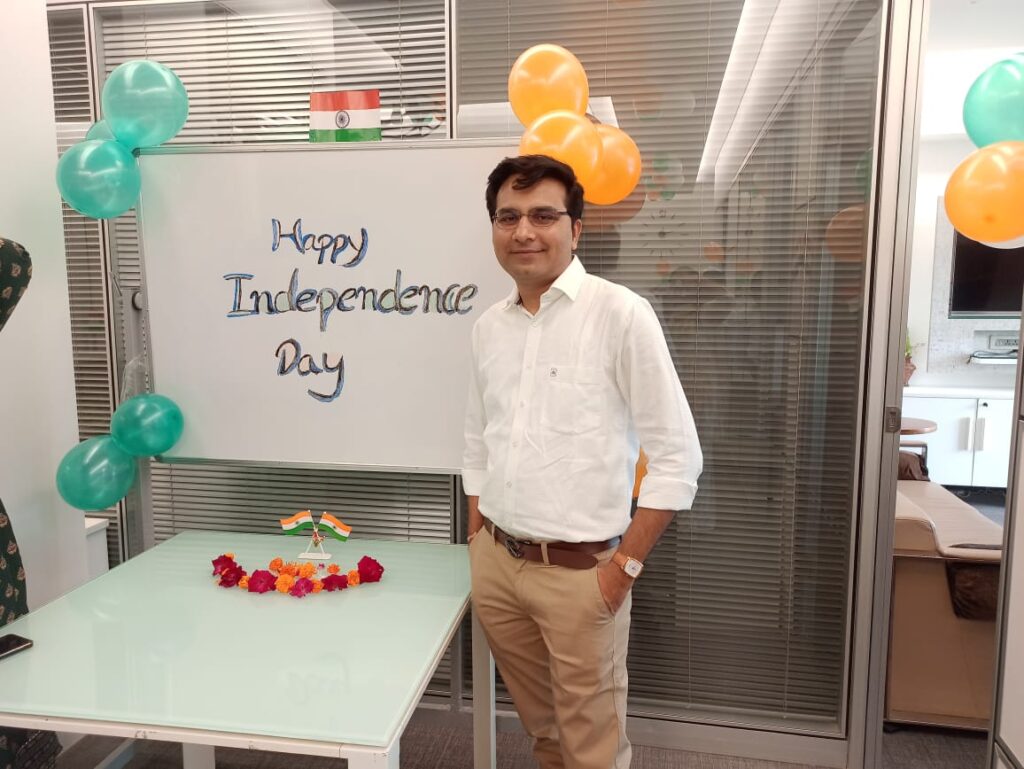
<point x="119" y="757"/>
<point x="484" y="756"/>
<point x="197" y="756"/>
<point x="372" y="760"/>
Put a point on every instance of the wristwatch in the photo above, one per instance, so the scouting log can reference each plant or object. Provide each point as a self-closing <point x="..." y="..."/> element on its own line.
<point x="631" y="566"/>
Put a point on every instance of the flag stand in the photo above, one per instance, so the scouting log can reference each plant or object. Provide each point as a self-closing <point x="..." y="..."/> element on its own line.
<point x="315" y="547"/>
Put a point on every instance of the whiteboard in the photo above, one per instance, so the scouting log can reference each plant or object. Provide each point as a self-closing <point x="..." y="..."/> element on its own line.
<point x="313" y="305"/>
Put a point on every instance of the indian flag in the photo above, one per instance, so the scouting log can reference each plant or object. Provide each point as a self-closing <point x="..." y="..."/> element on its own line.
<point x="299" y="522"/>
<point x="344" y="116"/>
<point x="331" y="525"/>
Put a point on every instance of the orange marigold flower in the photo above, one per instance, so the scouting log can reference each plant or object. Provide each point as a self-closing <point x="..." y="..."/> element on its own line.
<point x="307" y="570"/>
<point x="291" y="568"/>
<point x="353" y="578"/>
<point x="276" y="564"/>
<point x="244" y="582"/>
<point x="230" y="555"/>
<point x="284" y="583"/>
<point x="333" y="568"/>
<point x="317" y="586"/>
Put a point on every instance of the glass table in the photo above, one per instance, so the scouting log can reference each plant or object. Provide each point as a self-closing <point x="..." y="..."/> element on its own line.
<point x="154" y="649"/>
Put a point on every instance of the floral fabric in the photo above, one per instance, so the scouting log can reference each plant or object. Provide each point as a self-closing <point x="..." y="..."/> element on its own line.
<point x="19" y="749"/>
<point x="15" y="273"/>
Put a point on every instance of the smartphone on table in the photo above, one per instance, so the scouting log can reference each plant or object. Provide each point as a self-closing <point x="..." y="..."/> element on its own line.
<point x="12" y="644"/>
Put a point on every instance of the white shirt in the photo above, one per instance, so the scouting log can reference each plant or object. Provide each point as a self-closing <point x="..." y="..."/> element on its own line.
<point x="559" y="403"/>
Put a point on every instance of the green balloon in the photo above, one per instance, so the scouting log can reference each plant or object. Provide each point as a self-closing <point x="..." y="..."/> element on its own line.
<point x="101" y="131"/>
<point x="95" y="474"/>
<point x="99" y="178"/>
<point x="994" y="107"/>
<point x="144" y="103"/>
<point x="147" y="425"/>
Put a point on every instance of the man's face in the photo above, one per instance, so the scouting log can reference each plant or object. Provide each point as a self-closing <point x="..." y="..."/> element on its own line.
<point x="534" y="256"/>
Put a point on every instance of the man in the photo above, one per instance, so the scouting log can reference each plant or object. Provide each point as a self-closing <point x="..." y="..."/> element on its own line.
<point x="570" y="374"/>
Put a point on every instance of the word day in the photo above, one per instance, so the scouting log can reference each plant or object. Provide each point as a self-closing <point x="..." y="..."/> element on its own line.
<point x="453" y="300"/>
<point x="335" y="244"/>
<point x="291" y="358"/>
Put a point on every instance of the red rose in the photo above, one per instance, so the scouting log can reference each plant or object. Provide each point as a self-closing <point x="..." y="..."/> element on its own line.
<point x="222" y="562"/>
<point x="369" y="569"/>
<point x="229" y="577"/>
<point x="301" y="587"/>
<point x="334" y="582"/>
<point x="261" y="581"/>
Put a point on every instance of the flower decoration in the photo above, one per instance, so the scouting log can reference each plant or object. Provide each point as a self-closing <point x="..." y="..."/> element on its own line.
<point x="370" y="569"/>
<point x="334" y="582"/>
<point x="293" y="578"/>
<point x="261" y="581"/>
<point x="284" y="582"/>
<point x="231" y="576"/>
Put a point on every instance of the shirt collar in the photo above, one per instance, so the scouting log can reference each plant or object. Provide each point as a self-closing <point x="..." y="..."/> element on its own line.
<point x="569" y="283"/>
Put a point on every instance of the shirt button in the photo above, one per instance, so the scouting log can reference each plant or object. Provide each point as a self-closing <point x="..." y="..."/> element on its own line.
<point x="522" y="403"/>
<point x="508" y="485"/>
<point x="515" y="443"/>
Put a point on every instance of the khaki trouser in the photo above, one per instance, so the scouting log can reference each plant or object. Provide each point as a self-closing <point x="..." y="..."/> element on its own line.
<point x="561" y="653"/>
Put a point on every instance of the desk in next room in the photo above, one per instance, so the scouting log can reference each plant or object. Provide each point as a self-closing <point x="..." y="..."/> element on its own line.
<point x="154" y="649"/>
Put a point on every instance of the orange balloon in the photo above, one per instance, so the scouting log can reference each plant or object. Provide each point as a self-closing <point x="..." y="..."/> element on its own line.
<point x="619" y="171"/>
<point x="714" y="252"/>
<point x="985" y="194"/>
<point x="546" y="78"/>
<point x="846" y="234"/>
<point x="604" y="217"/>
<point x="565" y="136"/>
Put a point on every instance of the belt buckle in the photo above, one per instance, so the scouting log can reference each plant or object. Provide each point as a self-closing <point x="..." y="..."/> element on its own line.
<point x="512" y="545"/>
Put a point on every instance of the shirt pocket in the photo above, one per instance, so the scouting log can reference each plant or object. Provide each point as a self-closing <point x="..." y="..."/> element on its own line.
<point x="572" y="407"/>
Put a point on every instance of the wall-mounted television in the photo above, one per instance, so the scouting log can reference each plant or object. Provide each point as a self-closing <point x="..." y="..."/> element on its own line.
<point x="987" y="281"/>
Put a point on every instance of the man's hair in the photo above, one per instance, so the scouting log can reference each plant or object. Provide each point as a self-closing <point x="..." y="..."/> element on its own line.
<point x="528" y="170"/>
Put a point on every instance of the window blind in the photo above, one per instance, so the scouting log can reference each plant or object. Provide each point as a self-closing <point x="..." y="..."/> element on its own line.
<point x="249" y="70"/>
<point x="741" y="615"/>
<point x="86" y="266"/>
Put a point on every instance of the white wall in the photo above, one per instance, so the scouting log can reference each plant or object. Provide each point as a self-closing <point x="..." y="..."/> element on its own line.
<point x="38" y="421"/>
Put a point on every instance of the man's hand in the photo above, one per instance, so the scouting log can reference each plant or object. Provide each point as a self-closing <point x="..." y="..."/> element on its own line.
<point x="476" y="520"/>
<point x="615" y="585"/>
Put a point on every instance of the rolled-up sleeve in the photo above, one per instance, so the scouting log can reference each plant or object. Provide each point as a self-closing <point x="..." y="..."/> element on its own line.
<point x="474" y="457"/>
<point x="660" y="412"/>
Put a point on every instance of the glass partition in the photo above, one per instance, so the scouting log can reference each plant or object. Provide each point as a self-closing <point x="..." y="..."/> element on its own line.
<point x="747" y="233"/>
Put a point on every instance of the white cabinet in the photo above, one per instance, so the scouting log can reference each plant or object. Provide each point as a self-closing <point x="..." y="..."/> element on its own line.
<point x="992" y="433"/>
<point x="971" y="446"/>
<point x="950" y="449"/>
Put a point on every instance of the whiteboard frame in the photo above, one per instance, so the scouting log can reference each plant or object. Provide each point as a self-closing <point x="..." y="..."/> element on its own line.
<point x="212" y="149"/>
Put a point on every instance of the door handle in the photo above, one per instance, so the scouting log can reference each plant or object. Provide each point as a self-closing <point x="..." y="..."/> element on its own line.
<point x="970" y="432"/>
<point x="979" y="434"/>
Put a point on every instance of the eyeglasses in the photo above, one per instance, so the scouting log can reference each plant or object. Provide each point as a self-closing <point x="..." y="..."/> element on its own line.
<point x="508" y="219"/>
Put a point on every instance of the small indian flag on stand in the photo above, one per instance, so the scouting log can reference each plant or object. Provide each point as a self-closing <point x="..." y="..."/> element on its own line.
<point x="344" y="116"/>
<point x="331" y="525"/>
<point x="301" y="521"/>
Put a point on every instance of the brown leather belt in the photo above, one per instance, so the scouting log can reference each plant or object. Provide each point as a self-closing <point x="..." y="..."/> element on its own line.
<point x="574" y="555"/>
